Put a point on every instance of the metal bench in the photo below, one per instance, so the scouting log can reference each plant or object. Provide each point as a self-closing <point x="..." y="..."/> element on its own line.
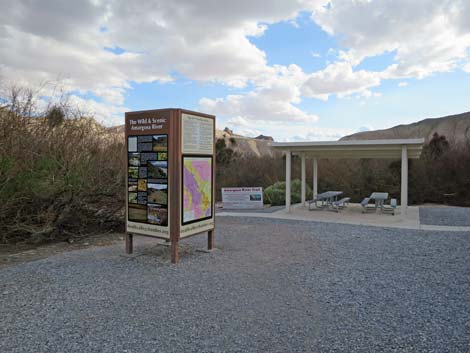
<point x="340" y="204"/>
<point x="390" y="208"/>
<point x="366" y="207"/>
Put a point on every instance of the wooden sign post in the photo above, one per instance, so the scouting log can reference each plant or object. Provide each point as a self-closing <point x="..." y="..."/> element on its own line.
<point x="170" y="176"/>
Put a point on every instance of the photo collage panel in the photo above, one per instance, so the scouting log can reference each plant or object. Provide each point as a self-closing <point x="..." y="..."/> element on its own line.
<point x="147" y="183"/>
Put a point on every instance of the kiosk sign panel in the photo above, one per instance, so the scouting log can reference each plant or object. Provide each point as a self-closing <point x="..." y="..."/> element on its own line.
<point x="170" y="175"/>
<point x="198" y="174"/>
<point x="147" y="174"/>
<point x="241" y="198"/>
<point x="198" y="136"/>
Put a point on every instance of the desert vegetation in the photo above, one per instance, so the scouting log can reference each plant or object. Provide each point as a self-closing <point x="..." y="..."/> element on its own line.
<point x="441" y="175"/>
<point x="62" y="175"/>
<point x="275" y="194"/>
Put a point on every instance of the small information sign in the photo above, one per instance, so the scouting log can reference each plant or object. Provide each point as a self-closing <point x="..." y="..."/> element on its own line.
<point x="198" y="137"/>
<point x="242" y="198"/>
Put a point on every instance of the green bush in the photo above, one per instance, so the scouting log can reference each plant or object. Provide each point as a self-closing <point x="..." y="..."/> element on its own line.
<point x="276" y="193"/>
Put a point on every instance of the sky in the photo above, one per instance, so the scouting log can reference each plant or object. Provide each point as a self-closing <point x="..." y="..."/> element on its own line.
<point x="294" y="70"/>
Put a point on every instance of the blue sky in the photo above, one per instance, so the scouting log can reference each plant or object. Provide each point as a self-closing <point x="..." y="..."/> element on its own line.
<point x="296" y="70"/>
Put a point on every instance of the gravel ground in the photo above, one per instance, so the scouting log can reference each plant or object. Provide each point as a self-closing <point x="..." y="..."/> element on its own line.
<point x="272" y="286"/>
<point x="445" y="216"/>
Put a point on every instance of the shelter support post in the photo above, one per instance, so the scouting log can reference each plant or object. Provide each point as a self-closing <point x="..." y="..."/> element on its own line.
<point x="303" y="186"/>
<point x="315" y="177"/>
<point x="288" y="179"/>
<point x="404" y="180"/>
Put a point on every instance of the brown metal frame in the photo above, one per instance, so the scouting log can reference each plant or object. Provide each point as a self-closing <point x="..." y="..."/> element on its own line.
<point x="174" y="181"/>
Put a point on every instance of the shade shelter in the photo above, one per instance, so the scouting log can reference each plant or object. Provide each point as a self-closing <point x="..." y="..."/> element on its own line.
<point x="403" y="149"/>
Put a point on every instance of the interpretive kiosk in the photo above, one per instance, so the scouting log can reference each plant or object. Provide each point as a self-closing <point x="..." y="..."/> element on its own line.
<point x="170" y="176"/>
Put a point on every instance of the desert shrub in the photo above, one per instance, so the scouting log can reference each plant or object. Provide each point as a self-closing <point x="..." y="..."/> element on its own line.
<point x="223" y="154"/>
<point x="442" y="175"/>
<point x="276" y="193"/>
<point x="249" y="171"/>
<point x="61" y="174"/>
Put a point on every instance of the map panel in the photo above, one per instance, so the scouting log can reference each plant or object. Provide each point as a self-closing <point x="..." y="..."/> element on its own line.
<point x="197" y="188"/>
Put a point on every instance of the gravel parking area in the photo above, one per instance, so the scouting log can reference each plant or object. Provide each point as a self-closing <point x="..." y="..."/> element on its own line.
<point x="272" y="286"/>
<point x="445" y="216"/>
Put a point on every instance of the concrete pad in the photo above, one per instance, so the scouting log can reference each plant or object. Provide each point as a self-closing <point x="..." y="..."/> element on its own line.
<point x="352" y="215"/>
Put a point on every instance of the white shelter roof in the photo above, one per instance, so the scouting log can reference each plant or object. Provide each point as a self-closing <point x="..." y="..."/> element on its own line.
<point x="380" y="149"/>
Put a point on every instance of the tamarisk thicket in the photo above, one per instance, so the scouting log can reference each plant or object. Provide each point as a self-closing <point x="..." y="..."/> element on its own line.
<point x="61" y="174"/>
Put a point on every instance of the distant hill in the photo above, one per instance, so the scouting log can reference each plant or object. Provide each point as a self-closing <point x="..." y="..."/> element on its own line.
<point x="456" y="129"/>
<point x="247" y="146"/>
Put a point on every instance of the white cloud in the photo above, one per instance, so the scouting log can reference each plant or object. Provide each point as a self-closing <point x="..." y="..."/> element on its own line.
<point x="320" y="134"/>
<point x="209" y="41"/>
<point x="106" y="114"/>
<point x="203" y="40"/>
<point x="428" y="36"/>
<point x="368" y="94"/>
<point x="273" y="100"/>
<point x="402" y="84"/>
<point x="365" y="128"/>
<point x="339" y="78"/>
<point x="282" y="132"/>
<point x="276" y="95"/>
<point x="240" y="126"/>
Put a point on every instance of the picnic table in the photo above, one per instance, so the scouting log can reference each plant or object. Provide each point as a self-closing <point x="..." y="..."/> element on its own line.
<point x="326" y="198"/>
<point x="379" y="198"/>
